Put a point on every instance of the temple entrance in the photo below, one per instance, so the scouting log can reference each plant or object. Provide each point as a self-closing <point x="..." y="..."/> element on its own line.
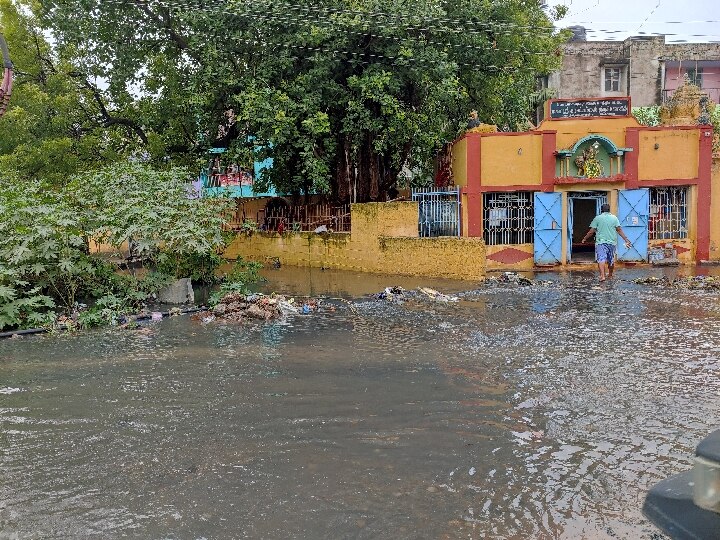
<point x="583" y="206"/>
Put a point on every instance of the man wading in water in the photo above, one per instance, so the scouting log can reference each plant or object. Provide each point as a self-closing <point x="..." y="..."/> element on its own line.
<point x="606" y="228"/>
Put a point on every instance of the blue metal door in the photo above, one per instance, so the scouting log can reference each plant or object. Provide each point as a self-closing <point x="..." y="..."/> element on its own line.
<point x="548" y="230"/>
<point x="633" y="213"/>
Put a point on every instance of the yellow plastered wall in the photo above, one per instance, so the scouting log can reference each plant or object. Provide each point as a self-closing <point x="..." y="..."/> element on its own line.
<point x="459" y="163"/>
<point x="676" y="155"/>
<point x="383" y="240"/>
<point x="686" y="257"/>
<point x="507" y="160"/>
<point x="715" y="210"/>
<point x="571" y="131"/>
<point x="384" y="219"/>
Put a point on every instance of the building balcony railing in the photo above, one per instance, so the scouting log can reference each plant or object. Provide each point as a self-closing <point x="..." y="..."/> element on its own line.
<point x="713" y="94"/>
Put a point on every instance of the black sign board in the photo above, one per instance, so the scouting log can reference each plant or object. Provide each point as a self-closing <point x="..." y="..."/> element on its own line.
<point x="585" y="108"/>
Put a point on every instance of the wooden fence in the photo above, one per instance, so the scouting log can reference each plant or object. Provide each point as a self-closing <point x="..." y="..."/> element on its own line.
<point x="307" y="217"/>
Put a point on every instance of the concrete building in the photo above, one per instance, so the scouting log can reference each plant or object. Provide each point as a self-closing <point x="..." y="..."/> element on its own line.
<point x="645" y="68"/>
<point x="531" y="196"/>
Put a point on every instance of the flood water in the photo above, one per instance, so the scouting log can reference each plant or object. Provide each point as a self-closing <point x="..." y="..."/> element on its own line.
<point x="519" y="412"/>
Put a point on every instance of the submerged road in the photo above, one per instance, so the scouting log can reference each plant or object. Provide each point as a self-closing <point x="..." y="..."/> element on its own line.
<point x="518" y="412"/>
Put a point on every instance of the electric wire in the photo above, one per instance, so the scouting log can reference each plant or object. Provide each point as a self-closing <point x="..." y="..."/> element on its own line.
<point x="214" y="8"/>
<point x="429" y="20"/>
<point x="374" y="56"/>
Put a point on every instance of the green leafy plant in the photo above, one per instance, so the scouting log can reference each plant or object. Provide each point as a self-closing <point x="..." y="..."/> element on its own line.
<point x="248" y="227"/>
<point x="225" y="289"/>
<point x="242" y="274"/>
<point x="46" y="267"/>
<point x="647" y="116"/>
<point x="107" y="310"/>
<point x="200" y="267"/>
<point x="245" y="271"/>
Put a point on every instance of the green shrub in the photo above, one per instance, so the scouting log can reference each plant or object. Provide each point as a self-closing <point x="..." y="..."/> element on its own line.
<point x="46" y="268"/>
<point x="237" y="280"/>
<point x="200" y="267"/>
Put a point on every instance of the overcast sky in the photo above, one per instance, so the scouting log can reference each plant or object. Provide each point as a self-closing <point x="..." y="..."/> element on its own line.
<point x="695" y="21"/>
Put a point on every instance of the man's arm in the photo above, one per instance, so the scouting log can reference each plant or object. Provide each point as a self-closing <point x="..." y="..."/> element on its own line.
<point x="619" y="230"/>
<point x="590" y="232"/>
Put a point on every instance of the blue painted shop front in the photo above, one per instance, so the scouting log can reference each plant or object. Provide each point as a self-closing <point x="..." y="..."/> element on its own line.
<point x="552" y="225"/>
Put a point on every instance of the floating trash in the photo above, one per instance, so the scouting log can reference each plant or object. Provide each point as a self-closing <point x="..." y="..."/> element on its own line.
<point x="437" y="295"/>
<point x="240" y="307"/>
<point x="392" y="294"/>
<point x="682" y="282"/>
<point x="508" y="277"/>
<point x="398" y="295"/>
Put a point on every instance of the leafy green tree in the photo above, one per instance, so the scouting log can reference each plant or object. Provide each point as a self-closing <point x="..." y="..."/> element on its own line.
<point x="344" y="96"/>
<point x="58" y="122"/>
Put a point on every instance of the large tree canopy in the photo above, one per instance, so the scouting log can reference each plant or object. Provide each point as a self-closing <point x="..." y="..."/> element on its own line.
<point x="344" y="95"/>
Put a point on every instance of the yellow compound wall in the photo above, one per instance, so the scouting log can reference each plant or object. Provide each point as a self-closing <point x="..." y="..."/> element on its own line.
<point x="384" y="239"/>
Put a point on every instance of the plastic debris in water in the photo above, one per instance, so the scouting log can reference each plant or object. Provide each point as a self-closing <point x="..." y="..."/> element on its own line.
<point x="156" y="316"/>
<point x="437" y="295"/>
<point x="392" y="294"/>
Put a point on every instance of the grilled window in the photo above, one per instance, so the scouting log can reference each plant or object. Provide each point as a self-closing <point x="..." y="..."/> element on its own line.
<point x="695" y="76"/>
<point x="508" y="218"/>
<point x="668" y="213"/>
<point x="612" y="79"/>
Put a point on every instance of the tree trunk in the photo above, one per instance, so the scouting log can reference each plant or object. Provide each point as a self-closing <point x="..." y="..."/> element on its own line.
<point x="369" y="173"/>
<point x="343" y="176"/>
<point x="363" y="173"/>
<point x="374" y="192"/>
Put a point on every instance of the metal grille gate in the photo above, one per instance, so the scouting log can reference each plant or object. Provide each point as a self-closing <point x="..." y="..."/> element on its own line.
<point x="438" y="211"/>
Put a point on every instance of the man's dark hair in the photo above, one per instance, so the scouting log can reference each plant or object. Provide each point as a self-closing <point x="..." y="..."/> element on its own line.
<point x="605" y="208"/>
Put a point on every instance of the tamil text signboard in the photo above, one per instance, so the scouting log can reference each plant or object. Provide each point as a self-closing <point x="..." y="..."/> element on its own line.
<point x="589" y="108"/>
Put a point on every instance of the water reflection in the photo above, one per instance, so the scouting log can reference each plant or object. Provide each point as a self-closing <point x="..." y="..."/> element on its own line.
<point x="535" y="412"/>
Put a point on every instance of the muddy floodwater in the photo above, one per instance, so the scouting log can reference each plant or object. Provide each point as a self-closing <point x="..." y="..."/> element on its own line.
<point x="518" y="412"/>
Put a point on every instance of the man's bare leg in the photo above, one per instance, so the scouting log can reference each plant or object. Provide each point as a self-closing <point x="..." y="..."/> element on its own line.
<point x="611" y="269"/>
<point x="602" y="268"/>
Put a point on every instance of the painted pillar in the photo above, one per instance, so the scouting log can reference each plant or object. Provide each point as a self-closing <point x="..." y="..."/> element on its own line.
<point x="549" y="142"/>
<point x="632" y="159"/>
<point x="472" y="190"/>
<point x="564" y="228"/>
<point x="613" y="201"/>
<point x="704" y="193"/>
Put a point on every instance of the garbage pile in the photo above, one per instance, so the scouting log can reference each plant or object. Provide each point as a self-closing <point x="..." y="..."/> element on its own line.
<point x="512" y="278"/>
<point x="432" y="294"/>
<point x="398" y="294"/>
<point x="240" y="307"/>
<point x="393" y="294"/>
<point x="682" y="282"/>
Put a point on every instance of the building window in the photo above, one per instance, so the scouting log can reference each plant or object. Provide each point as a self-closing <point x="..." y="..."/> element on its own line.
<point x="695" y="76"/>
<point x="612" y="79"/>
<point x="508" y="218"/>
<point x="668" y="213"/>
